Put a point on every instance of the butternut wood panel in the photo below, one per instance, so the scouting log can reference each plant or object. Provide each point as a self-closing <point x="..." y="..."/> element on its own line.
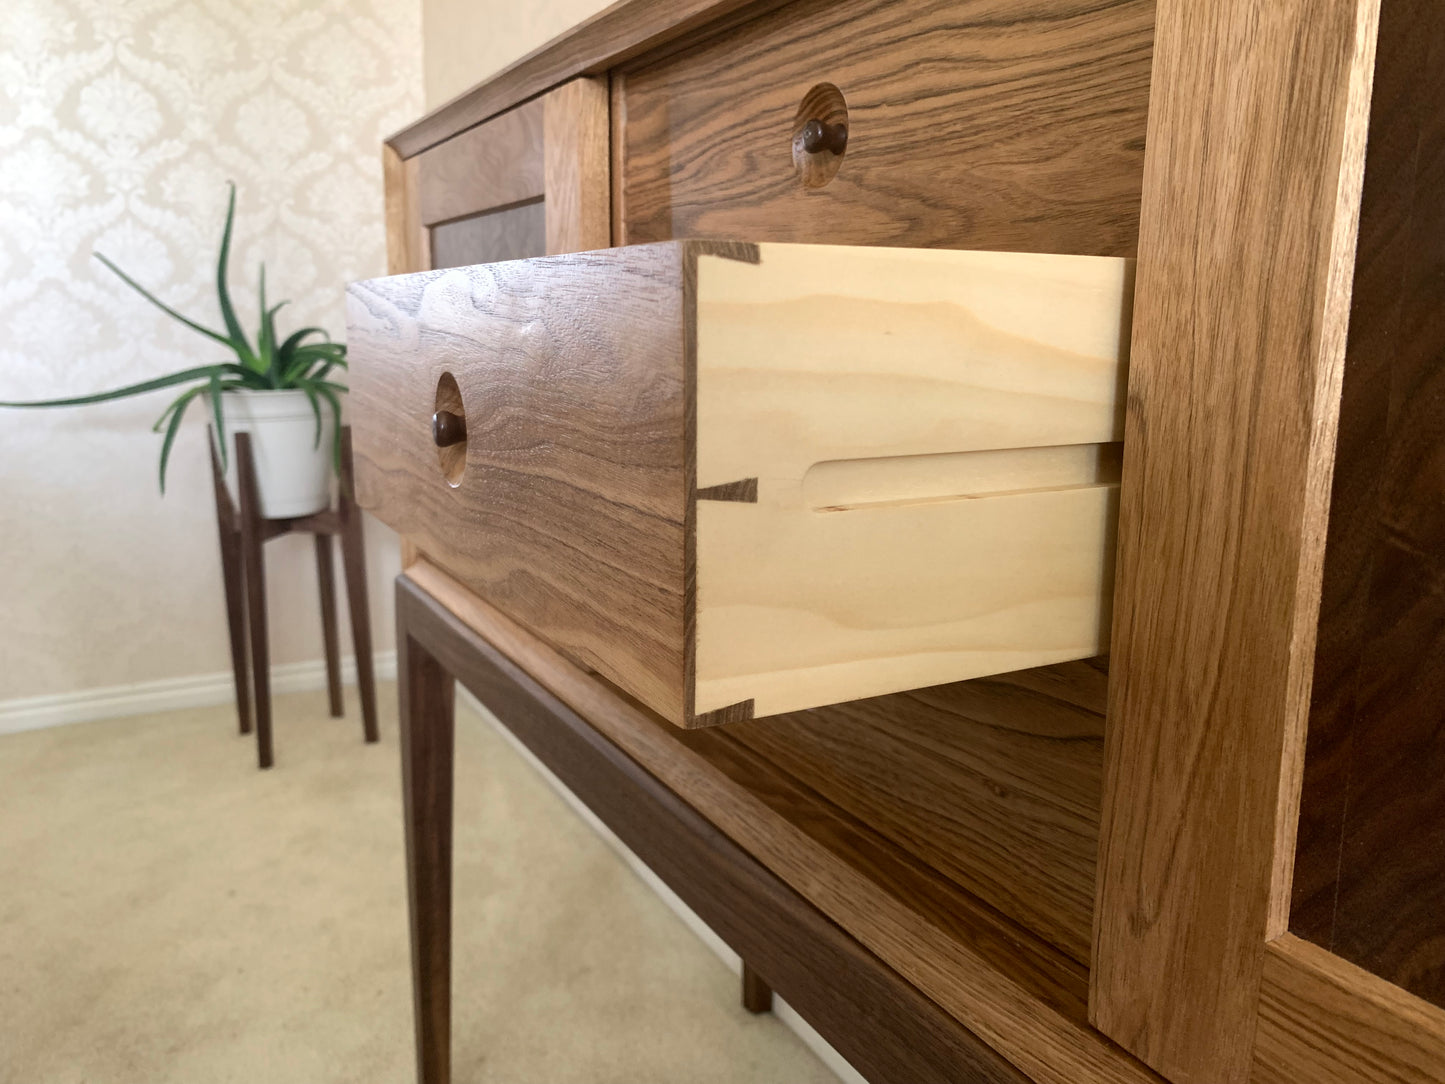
<point x="1370" y="869"/>
<point x="493" y="165"/>
<point x="1326" y="1021"/>
<point x="1004" y="804"/>
<point x="579" y="211"/>
<point x="861" y="363"/>
<point x="988" y="124"/>
<point x="1023" y="999"/>
<point x="1251" y="198"/>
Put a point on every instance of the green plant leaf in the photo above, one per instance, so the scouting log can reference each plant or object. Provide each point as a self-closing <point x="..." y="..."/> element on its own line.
<point x="326" y="389"/>
<point x="223" y="290"/>
<point x="158" y="303"/>
<point x="178" y="411"/>
<point x="202" y="373"/>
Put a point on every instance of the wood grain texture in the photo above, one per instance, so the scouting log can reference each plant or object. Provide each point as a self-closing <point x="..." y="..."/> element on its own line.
<point x="518" y="232"/>
<point x="1370" y="867"/>
<point x="572" y="508"/>
<point x="615" y="34"/>
<point x="986" y="125"/>
<point x="823" y="370"/>
<point x="1022" y="997"/>
<point x="575" y="126"/>
<point x="493" y="165"/>
<point x="427" y="724"/>
<point x="1326" y="1021"/>
<point x="1005" y="804"/>
<point x="589" y="375"/>
<point x="870" y="1014"/>
<point x="407" y="242"/>
<point x="1251" y="196"/>
<point x="757" y="995"/>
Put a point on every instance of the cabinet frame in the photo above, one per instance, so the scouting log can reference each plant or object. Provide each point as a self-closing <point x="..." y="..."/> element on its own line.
<point x="1243" y="290"/>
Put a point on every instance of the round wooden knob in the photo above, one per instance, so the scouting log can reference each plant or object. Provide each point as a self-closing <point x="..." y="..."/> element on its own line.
<point x="448" y="428"/>
<point x="819" y="136"/>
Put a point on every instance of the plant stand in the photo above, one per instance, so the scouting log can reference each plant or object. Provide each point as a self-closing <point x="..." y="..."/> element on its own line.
<point x="243" y="534"/>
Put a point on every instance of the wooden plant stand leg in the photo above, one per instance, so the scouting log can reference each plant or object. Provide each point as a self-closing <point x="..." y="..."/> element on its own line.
<point x="326" y="578"/>
<point x="757" y="994"/>
<point x="253" y="538"/>
<point x="426" y="696"/>
<point x="353" y="557"/>
<point x="229" y="528"/>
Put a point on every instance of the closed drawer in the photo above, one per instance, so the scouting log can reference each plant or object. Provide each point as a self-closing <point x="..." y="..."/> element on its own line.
<point x="985" y="124"/>
<point x="738" y="480"/>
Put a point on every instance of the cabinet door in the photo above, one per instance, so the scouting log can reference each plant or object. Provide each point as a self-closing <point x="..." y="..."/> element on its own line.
<point x="529" y="182"/>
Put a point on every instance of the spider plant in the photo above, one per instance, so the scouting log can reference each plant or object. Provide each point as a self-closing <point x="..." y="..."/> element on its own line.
<point x="271" y="364"/>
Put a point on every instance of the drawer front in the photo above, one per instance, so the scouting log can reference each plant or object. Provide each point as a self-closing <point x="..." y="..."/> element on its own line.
<point x="738" y="480"/>
<point x="565" y="505"/>
<point x="981" y="124"/>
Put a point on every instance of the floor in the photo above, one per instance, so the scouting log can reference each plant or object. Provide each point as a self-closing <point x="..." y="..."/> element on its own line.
<point x="170" y="914"/>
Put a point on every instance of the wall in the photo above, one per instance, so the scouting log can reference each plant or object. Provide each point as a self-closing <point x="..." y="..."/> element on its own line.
<point x="119" y="126"/>
<point x="468" y="40"/>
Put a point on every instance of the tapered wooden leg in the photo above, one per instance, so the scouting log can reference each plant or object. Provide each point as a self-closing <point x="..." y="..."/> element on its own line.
<point x="326" y="577"/>
<point x="427" y="743"/>
<point x="353" y="558"/>
<point x="253" y="538"/>
<point x="757" y="994"/>
<point x="234" y="579"/>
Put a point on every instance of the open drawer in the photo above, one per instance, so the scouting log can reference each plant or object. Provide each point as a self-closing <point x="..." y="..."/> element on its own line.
<point x="738" y="480"/>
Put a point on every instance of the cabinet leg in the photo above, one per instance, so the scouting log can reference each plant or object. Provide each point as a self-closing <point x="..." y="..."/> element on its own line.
<point x="253" y="538"/>
<point x="353" y="557"/>
<point x="757" y="994"/>
<point x="326" y="577"/>
<point x="427" y="745"/>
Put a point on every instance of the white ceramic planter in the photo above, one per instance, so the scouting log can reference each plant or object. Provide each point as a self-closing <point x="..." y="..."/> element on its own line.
<point x="293" y="474"/>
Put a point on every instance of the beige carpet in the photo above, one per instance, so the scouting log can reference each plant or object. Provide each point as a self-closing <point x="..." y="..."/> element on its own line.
<point x="170" y="914"/>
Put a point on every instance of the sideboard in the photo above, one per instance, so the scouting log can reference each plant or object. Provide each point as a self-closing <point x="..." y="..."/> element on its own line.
<point x="1142" y="774"/>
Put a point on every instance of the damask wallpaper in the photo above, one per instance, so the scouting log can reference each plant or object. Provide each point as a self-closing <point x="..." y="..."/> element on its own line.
<point x="468" y="40"/>
<point x="120" y="122"/>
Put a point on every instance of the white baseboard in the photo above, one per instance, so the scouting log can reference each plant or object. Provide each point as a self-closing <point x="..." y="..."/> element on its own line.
<point x="786" y="1014"/>
<point x="170" y="694"/>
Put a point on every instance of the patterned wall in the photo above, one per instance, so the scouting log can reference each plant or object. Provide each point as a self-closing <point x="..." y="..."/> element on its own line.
<point x="120" y="123"/>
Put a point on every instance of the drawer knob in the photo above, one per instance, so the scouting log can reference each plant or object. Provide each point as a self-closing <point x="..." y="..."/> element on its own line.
<point x="448" y="428"/>
<point x="819" y="136"/>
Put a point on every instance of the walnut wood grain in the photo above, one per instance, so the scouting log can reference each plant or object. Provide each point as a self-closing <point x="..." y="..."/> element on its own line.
<point x="757" y="995"/>
<point x="1370" y="865"/>
<point x="600" y="388"/>
<point x="579" y="210"/>
<point x="1326" y="1021"/>
<point x="518" y="232"/>
<point x="987" y="125"/>
<point x="427" y="724"/>
<point x="496" y="164"/>
<point x="877" y="1020"/>
<point x="572" y="514"/>
<point x="1020" y="995"/>
<point x="1251" y="198"/>
<point x="1004" y="804"/>
<point x="613" y="35"/>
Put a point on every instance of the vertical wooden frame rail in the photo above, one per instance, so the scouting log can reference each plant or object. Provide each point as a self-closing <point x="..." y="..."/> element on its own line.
<point x="1257" y="125"/>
